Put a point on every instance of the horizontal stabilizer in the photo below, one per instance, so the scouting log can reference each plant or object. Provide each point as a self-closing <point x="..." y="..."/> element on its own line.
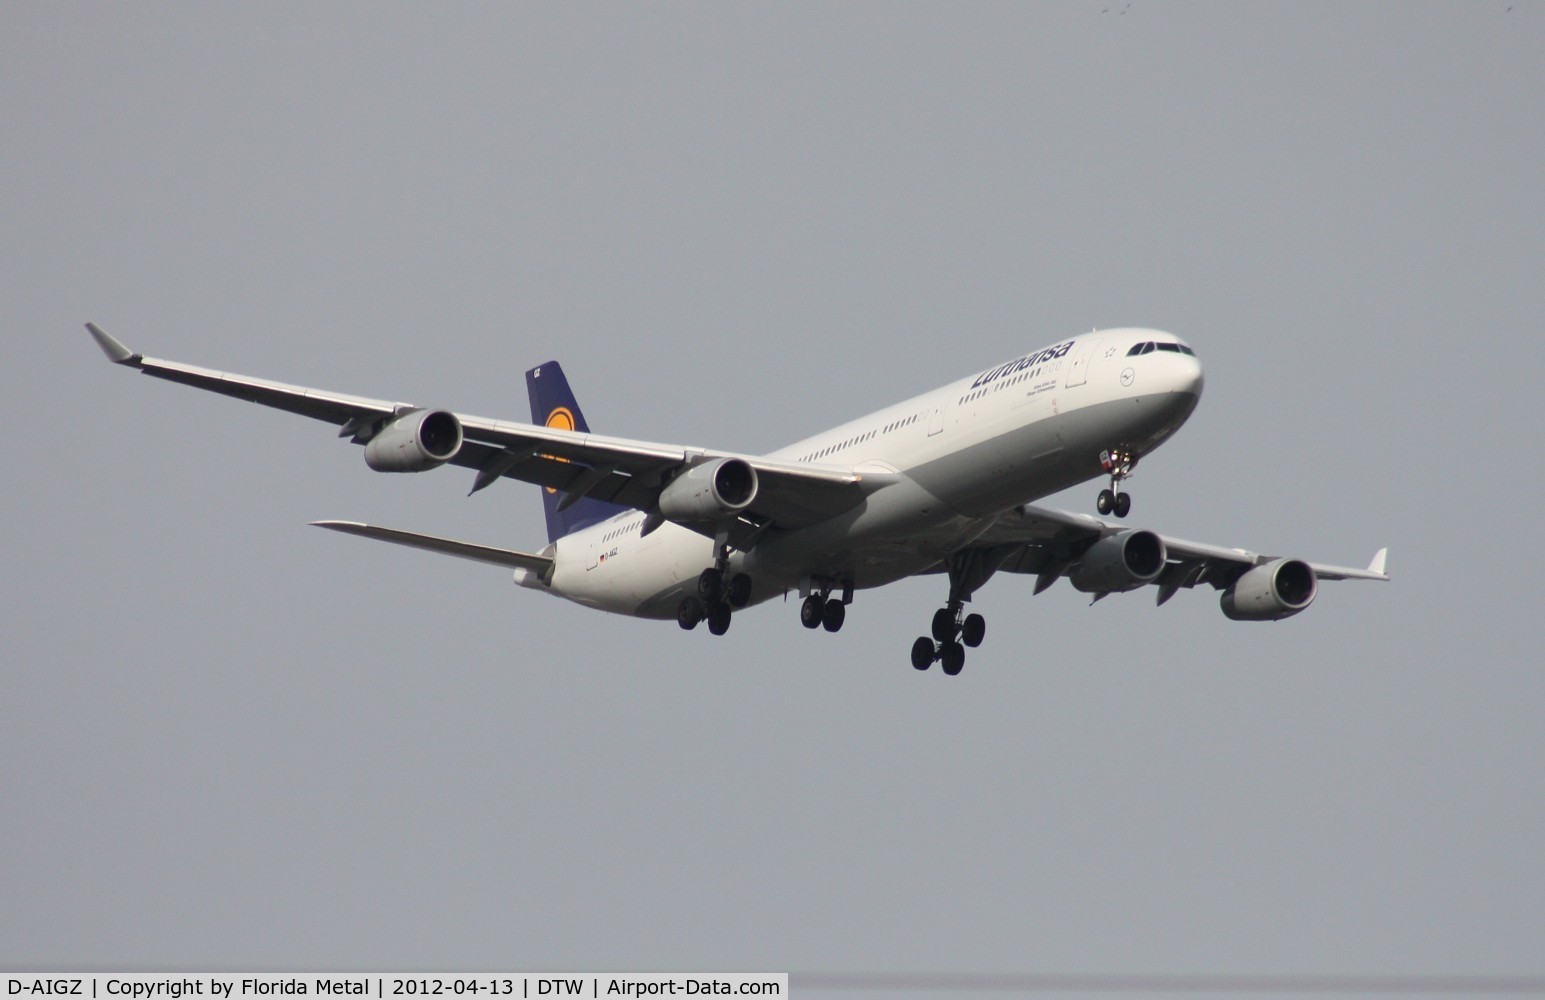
<point x="445" y="546"/>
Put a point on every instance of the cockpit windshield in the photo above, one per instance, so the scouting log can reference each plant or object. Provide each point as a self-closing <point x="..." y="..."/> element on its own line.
<point x="1148" y="347"/>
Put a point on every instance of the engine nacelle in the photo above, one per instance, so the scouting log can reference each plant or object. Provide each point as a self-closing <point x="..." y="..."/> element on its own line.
<point x="710" y="491"/>
<point x="1120" y="562"/>
<point x="417" y="442"/>
<point x="1272" y="591"/>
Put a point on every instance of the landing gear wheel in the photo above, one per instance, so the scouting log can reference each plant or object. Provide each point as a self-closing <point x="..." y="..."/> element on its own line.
<point x="922" y="653"/>
<point x="812" y="611"/>
<point x="719" y="619"/>
<point x="1116" y="463"/>
<point x="953" y="656"/>
<point x="709" y="583"/>
<point x="973" y="630"/>
<point x="689" y="612"/>
<point x="833" y="615"/>
<point x="943" y="625"/>
<point x="739" y="593"/>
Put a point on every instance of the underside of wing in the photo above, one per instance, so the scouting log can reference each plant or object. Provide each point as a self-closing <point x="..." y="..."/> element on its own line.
<point x="402" y="437"/>
<point x="1099" y="557"/>
<point x="635" y="474"/>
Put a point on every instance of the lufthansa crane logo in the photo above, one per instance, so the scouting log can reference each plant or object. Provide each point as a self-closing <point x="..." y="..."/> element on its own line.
<point x="563" y="420"/>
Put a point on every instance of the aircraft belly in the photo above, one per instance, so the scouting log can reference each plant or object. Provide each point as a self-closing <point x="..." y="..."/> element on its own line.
<point x="627" y="575"/>
<point x="1138" y="424"/>
<point x="1044" y="457"/>
<point x="999" y="472"/>
<point x="895" y="532"/>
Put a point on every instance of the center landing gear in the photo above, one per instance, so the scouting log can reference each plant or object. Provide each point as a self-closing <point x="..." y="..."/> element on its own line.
<point x="1117" y="463"/>
<point x="952" y="633"/>
<point x="821" y="610"/>
<point x="952" y="630"/>
<point x="715" y="597"/>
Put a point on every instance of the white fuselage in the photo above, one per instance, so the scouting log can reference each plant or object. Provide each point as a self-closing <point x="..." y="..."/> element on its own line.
<point x="962" y="455"/>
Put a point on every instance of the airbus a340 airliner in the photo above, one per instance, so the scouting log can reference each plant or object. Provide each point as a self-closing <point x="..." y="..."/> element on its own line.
<point x="940" y="483"/>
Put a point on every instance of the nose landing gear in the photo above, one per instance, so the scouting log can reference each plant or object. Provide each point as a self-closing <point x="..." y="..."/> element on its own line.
<point x="1118" y="464"/>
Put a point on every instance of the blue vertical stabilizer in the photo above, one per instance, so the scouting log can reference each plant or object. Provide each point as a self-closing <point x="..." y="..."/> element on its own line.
<point x="553" y="405"/>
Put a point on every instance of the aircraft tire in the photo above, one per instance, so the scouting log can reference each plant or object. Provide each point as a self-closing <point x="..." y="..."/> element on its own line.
<point x="1106" y="503"/>
<point x="973" y="630"/>
<point x="689" y="612"/>
<point x="943" y="625"/>
<point x="833" y="614"/>
<point x="953" y="657"/>
<point x="1123" y="504"/>
<point x="922" y="653"/>
<point x="709" y="583"/>
<point x="719" y="619"/>
<point x="739" y="594"/>
<point x="812" y="611"/>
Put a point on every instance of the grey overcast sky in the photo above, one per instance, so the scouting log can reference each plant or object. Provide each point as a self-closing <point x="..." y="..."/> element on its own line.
<point x="229" y="740"/>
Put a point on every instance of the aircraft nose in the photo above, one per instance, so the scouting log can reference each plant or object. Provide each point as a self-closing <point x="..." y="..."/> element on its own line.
<point x="1168" y="372"/>
<point x="1189" y="379"/>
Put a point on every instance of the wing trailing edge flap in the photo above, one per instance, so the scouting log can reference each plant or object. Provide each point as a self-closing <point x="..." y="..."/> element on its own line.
<point x="536" y="563"/>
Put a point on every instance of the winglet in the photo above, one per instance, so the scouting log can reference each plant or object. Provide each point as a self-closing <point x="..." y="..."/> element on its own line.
<point x="116" y="352"/>
<point x="1377" y="566"/>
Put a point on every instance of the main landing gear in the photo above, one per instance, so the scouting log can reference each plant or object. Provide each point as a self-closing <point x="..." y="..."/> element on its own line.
<point x="952" y="630"/>
<point x="715" y="597"/>
<point x="952" y="633"/>
<point x="821" y="610"/>
<point x="1117" y="463"/>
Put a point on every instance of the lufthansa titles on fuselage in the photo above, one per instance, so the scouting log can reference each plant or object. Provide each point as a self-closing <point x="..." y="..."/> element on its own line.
<point x="1020" y="364"/>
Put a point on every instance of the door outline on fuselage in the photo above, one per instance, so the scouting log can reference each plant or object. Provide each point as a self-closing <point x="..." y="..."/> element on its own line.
<point x="1078" y="364"/>
<point x="936" y="420"/>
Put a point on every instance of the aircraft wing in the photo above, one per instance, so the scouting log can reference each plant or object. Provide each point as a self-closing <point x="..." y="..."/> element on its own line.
<point x="1046" y="542"/>
<point x="619" y="470"/>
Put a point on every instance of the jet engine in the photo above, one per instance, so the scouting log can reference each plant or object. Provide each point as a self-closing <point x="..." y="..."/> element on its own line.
<point x="420" y="441"/>
<point x="709" y="491"/>
<point x="1120" y="562"/>
<point x="1270" y="592"/>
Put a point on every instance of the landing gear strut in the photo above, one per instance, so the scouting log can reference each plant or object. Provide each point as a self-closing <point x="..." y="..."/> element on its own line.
<point x="1117" y="463"/>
